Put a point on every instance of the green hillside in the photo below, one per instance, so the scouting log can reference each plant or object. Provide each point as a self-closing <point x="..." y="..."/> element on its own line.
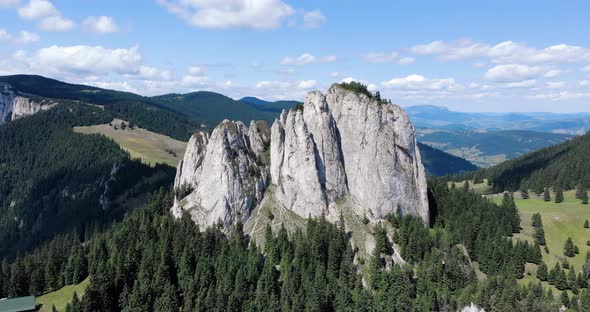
<point x="439" y="163"/>
<point x="211" y="108"/>
<point x="564" y="165"/>
<point x="140" y="110"/>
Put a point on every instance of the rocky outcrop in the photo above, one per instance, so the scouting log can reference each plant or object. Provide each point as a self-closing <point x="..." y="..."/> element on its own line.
<point x="342" y="144"/>
<point x="345" y="143"/>
<point x="222" y="176"/>
<point x="13" y="105"/>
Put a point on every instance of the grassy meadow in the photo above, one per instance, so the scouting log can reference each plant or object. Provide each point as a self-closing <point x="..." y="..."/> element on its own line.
<point x="61" y="297"/>
<point x="149" y="146"/>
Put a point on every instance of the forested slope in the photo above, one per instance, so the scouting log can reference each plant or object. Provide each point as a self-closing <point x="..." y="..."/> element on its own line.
<point x="151" y="261"/>
<point x="439" y="163"/>
<point x="52" y="179"/>
<point x="565" y="166"/>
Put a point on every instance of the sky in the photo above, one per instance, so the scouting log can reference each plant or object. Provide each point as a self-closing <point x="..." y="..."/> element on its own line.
<point x="492" y="56"/>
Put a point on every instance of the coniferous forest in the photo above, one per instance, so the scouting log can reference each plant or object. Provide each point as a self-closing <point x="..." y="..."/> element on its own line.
<point x="151" y="261"/>
<point x="564" y="166"/>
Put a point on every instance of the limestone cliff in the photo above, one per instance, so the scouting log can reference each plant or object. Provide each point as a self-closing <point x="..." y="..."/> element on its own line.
<point x="222" y="176"/>
<point x="345" y="143"/>
<point x="339" y="145"/>
<point x="14" y="105"/>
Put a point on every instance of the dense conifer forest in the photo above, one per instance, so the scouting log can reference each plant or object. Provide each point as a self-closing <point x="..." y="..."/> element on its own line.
<point x="153" y="262"/>
<point x="563" y="166"/>
<point x="51" y="178"/>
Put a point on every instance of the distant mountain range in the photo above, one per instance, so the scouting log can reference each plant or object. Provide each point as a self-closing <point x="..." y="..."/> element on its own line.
<point x="438" y="117"/>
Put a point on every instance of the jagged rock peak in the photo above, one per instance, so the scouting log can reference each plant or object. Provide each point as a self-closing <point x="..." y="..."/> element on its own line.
<point x="345" y="143"/>
<point x="223" y="175"/>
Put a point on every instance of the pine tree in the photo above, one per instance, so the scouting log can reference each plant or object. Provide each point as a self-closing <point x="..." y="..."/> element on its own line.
<point x="565" y="299"/>
<point x="586" y="224"/>
<point x="540" y="236"/>
<point x="524" y="194"/>
<point x="536" y="220"/>
<point x="466" y="186"/>
<point x="558" y="195"/>
<point x="585" y="197"/>
<point x="542" y="271"/>
<point x="546" y="195"/>
<point x="568" y="248"/>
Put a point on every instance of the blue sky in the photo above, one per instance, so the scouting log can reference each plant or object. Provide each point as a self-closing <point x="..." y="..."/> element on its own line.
<point x="466" y="55"/>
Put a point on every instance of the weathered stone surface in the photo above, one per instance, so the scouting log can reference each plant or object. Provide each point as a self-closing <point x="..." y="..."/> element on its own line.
<point x="222" y="173"/>
<point x="348" y="144"/>
<point x="14" y="106"/>
<point x="340" y="144"/>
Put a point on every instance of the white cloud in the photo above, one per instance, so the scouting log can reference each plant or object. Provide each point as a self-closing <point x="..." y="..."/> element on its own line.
<point x="419" y="82"/>
<point x="56" y="23"/>
<point x="306" y="84"/>
<point x="26" y="37"/>
<point x="405" y="60"/>
<point x="100" y="24"/>
<point x="556" y="84"/>
<point x="83" y="60"/>
<point x="148" y="72"/>
<point x="9" y="3"/>
<point x="552" y="73"/>
<point x="512" y="73"/>
<point x="393" y="57"/>
<point x="584" y="83"/>
<point x="587" y="68"/>
<point x="194" y="81"/>
<point x="452" y="50"/>
<point x="224" y="14"/>
<point x="307" y="58"/>
<point x="370" y="86"/>
<point x="504" y="52"/>
<point x="4" y="34"/>
<point x="37" y="9"/>
<point x="335" y="74"/>
<point x="196" y="71"/>
<point x="521" y="84"/>
<point x="313" y="19"/>
<point x="557" y="96"/>
<point x="49" y="17"/>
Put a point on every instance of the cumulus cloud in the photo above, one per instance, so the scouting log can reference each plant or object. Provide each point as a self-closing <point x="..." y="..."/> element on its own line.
<point x="83" y="60"/>
<point x="504" y="52"/>
<point x="196" y="71"/>
<point x="100" y="24"/>
<point x="56" y="23"/>
<point x="512" y="72"/>
<point x="26" y="37"/>
<point x="307" y="58"/>
<point x="49" y="17"/>
<point x="419" y="82"/>
<point x="552" y="73"/>
<point x="4" y="34"/>
<point x="313" y="19"/>
<point x="36" y="9"/>
<point x="556" y="84"/>
<point x="452" y="50"/>
<point x="393" y="57"/>
<point x="224" y="14"/>
<point x="9" y="3"/>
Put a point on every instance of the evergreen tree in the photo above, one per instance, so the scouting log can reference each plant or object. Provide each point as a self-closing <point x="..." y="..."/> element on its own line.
<point x="542" y="271"/>
<point x="546" y="195"/>
<point x="524" y="194"/>
<point x="586" y="224"/>
<point x="536" y="220"/>
<point x="565" y="299"/>
<point x="568" y="248"/>
<point x="558" y="195"/>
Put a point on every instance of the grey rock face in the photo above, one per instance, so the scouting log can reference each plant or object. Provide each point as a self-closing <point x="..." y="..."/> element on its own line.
<point x="223" y="174"/>
<point x="340" y="144"/>
<point x="14" y="106"/>
<point x="346" y="143"/>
